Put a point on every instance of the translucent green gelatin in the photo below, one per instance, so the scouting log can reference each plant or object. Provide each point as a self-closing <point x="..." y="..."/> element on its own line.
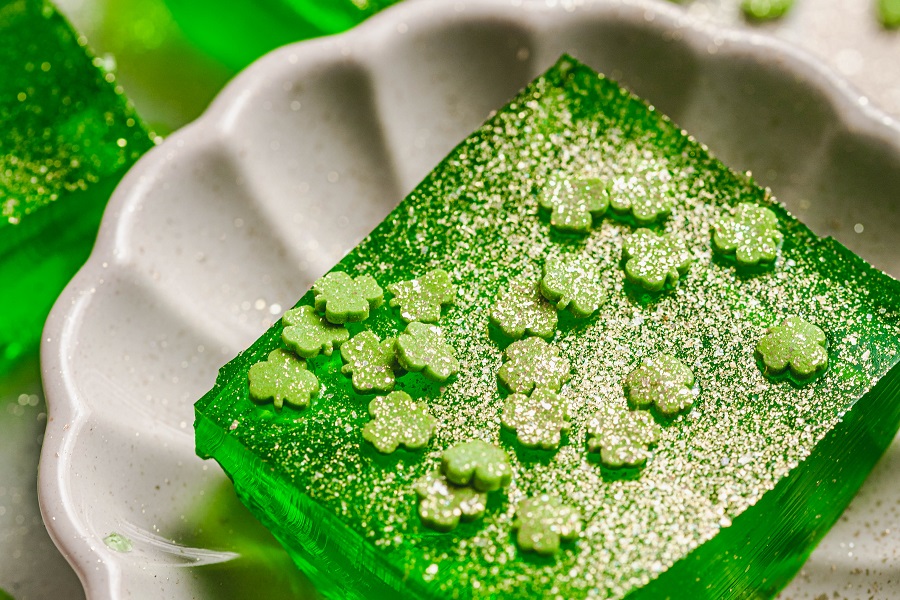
<point x="722" y="493"/>
<point x="67" y="137"/>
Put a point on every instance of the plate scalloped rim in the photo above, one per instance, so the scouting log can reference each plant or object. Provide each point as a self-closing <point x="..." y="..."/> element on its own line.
<point x="70" y="415"/>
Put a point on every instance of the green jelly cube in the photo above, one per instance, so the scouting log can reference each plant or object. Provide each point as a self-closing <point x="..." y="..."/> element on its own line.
<point x="697" y="424"/>
<point x="67" y="138"/>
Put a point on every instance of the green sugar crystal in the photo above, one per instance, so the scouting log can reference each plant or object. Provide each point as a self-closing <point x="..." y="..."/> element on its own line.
<point x="683" y="461"/>
<point x="67" y="136"/>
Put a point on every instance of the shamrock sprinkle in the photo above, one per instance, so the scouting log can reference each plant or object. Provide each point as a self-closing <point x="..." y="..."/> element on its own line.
<point x="370" y="361"/>
<point x="521" y="309"/>
<point x="307" y="334"/>
<point x="422" y="348"/>
<point x="539" y="419"/>
<point x="344" y="299"/>
<point x="573" y="284"/>
<point x="397" y="419"/>
<point x="484" y="466"/>
<point x="543" y="521"/>
<point x="632" y="198"/>
<point x="664" y="381"/>
<point x="652" y="260"/>
<point x="763" y="10"/>
<point x="442" y="504"/>
<point x="622" y="436"/>
<point x="421" y="299"/>
<point x="573" y="204"/>
<point x="889" y="13"/>
<point x="532" y="363"/>
<point x="282" y="377"/>
<point x="796" y="345"/>
<point x="751" y="235"/>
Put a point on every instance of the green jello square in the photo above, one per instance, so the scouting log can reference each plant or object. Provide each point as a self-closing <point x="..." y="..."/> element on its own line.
<point x="699" y="387"/>
<point x="67" y="136"/>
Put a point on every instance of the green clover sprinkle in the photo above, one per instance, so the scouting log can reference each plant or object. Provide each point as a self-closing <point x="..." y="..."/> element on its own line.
<point x="622" y="436"/>
<point x="421" y="299"/>
<point x="345" y="299"/>
<point x="751" y="235"/>
<point x="421" y="348"/>
<point x="521" y="309"/>
<point x="630" y="198"/>
<point x="797" y="345"/>
<point x="398" y="420"/>
<point x="573" y="284"/>
<point x="539" y="419"/>
<point x="653" y="260"/>
<point x="663" y="381"/>
<point x="543" y="522"/>
<point x="307" y="334"/>
<point x="533" y="363"/>
<point x="573" y="203"/>
<point x="282" y="377"/>
<point x="889" y="13"/>
<point x="763" y="10"/>
<point x="477" y="463"/>
<point x="370" y="362"/>
<point x="442" y="505"/>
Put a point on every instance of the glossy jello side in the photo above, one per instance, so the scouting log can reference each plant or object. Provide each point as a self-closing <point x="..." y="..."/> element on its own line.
<point x="677" y="449"/>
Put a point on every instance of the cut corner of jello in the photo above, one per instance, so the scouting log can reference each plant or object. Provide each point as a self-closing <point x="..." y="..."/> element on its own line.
<point x="644" y="379"/>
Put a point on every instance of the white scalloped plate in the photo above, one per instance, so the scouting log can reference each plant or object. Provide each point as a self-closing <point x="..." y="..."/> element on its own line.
<point x="227" y="223"/>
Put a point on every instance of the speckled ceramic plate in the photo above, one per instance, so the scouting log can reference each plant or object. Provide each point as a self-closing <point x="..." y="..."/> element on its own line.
<point x="214" y="233"/>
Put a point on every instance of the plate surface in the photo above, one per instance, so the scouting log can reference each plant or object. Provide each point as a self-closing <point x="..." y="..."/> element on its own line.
<point x="217" y="231"/>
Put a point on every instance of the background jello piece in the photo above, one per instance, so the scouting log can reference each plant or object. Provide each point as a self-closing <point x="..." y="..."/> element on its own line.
<point x="737" y="488"/>
<point x="67" y="138"/>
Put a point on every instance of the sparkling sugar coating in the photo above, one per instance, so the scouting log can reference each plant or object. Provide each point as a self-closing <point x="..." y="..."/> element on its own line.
<point x="714" y="466"/>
